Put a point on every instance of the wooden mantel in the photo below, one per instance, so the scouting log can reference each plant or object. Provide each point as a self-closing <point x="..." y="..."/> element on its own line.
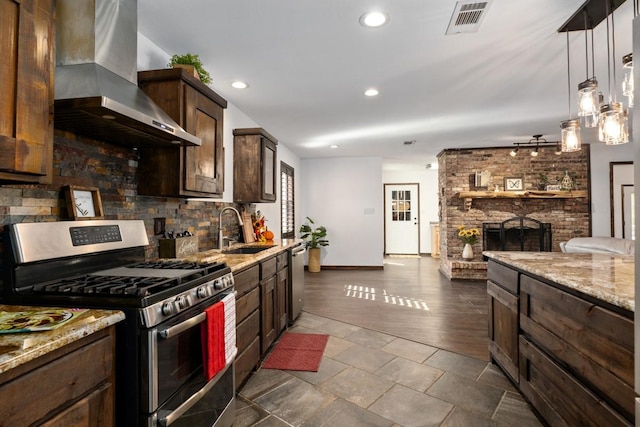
<point x="468" y="196"/>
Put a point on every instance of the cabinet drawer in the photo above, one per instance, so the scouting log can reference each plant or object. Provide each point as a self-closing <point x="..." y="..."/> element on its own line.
<point x="503" y="276"/>
<point x="558" y="396"/>
<point x="593" y="343"/>
<point x="246" y="280"/>
<point x="282" y="260"/>
<point x="248" y="330"/>
<point x="57" y="384"/>
<point x="246" y="304"/>
<point x="268" y="268"/>
<point x="246" y="362"/>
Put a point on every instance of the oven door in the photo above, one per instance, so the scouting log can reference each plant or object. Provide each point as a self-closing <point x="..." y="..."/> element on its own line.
<point x="173" y="381"/>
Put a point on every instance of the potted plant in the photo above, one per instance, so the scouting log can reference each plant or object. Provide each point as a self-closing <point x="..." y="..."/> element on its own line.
<point x="192" y="61"/>
<point x="314" y="238"/>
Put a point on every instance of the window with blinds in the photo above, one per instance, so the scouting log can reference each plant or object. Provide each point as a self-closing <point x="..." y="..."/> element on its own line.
<point x="287" y="201"/>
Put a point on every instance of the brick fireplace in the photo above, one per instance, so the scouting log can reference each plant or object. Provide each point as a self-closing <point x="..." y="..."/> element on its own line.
<point x="461" y="202"/>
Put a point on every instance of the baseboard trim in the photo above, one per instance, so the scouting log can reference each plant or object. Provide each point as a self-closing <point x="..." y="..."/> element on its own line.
<point x="349" y="267"/>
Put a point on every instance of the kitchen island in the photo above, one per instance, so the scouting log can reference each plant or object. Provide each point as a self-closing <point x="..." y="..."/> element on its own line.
<point x="561" y="327"/>
<point x="63" y="376"/>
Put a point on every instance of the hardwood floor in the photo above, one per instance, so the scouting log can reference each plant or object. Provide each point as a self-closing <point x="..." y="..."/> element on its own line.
<point x="410" y="299"/>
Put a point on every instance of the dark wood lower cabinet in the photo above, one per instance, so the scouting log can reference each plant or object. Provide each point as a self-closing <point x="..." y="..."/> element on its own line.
<point x="282" y="291"/>
<point x="247" y="284"/>
<point x="572" y="354"/>
<point x="267" y="313"/>
<point x="71" y="386"/>
<point x="503" y="329"/>
<point x="261" y="311"/>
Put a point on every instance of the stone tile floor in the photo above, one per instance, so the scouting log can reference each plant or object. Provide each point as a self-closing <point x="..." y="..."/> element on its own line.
<point x="368" y="378"/>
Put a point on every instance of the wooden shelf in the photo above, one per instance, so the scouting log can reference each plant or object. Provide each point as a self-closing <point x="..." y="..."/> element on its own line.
<point x="468" y="196"/>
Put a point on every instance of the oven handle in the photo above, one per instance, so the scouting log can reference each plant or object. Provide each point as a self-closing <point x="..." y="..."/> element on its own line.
<point x="172" y="416"/>
<point x="181" y="327"/>
<point x="187" y="324"/>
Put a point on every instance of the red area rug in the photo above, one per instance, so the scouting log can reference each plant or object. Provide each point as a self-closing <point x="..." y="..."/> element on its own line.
<point x="297" y="352"/>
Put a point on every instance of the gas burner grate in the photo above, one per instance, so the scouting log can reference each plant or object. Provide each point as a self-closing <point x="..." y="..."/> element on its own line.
<point x="112" y="285"/>
<point x="179" y="265"/>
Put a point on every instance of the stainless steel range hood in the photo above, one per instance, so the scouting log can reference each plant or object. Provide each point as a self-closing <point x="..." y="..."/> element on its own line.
<point x="96" y="91"/>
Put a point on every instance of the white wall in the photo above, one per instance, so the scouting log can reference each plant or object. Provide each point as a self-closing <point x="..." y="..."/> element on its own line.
<point x="428" y="185"/>
<point x="601" y="156"/>
<point x="336" y="193"/>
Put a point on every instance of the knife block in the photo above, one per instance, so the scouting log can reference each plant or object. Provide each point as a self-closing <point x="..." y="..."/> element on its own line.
<point x="178" y="247"/>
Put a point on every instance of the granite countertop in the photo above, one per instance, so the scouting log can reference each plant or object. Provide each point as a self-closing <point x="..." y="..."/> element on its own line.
<point x="19" y="348"/>
<point x="606" y="277"/>
<point x="239" y="262"/>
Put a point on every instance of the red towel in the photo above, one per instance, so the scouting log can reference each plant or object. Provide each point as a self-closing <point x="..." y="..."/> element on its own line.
<point x="213" y="352"/>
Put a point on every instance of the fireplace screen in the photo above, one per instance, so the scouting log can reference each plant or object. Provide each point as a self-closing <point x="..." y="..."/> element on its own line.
<point x="516" y="234"/>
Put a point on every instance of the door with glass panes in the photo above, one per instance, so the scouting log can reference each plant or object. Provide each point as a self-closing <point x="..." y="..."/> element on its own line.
<point x="402" y="219"/>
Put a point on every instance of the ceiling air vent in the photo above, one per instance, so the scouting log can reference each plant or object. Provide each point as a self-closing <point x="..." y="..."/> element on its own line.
<point x="409" y="142"/>
<point x="467" y="16"/>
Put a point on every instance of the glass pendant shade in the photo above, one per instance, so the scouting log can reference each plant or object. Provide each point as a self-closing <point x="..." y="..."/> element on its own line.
<point x="627" y="83"/>
<point x="612" y="127"/>
<point x="588" y="101"/>
<point x="570" y="136"/>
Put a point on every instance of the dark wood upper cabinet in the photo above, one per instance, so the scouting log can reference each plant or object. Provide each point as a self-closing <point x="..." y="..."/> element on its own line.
<point x="254" y="166"/>
<point x="27" y="37"/>
<point x="184" y="171"/>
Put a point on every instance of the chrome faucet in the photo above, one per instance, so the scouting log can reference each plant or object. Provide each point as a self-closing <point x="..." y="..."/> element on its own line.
<point x="220" y="236"/>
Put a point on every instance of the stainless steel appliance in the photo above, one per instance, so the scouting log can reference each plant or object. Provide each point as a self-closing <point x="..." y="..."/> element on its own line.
<point x="297" y="281"/>
<point x="159" y="358"/>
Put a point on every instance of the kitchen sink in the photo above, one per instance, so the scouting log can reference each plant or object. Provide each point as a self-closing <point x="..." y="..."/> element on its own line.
<point x="246" y="250"/>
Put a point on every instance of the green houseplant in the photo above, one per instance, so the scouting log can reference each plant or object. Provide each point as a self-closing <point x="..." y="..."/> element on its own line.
<point x="313" y="239"/>
<point x="193" y="60"/>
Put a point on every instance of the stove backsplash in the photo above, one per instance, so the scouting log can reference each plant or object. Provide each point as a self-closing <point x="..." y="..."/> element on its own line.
<point x="114" y="170"/>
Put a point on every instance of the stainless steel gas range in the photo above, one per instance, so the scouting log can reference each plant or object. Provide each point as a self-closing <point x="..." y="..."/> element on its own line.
<point x="159" y="354"/>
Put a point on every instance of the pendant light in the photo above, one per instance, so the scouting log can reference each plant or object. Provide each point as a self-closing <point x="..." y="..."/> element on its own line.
<point x="612" y="123"/>
<point x="570" y="135"/>
<point x="588" y="105"/>
<point x="627" y="83"/>
<point x="627" y="67"/>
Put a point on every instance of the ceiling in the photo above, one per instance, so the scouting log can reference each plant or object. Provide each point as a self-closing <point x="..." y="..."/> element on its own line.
<point x="308" y="63"/>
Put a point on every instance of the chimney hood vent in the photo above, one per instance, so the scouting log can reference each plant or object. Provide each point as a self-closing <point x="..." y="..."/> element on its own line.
<point x="96" y="91"/>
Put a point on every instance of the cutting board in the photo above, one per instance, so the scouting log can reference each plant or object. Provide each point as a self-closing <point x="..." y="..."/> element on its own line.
<point x="247" y="228"/>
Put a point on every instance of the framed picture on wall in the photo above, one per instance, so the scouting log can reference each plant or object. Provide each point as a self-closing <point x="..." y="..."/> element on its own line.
<point x="513" y="184"/>
<point x="83" y="202"/>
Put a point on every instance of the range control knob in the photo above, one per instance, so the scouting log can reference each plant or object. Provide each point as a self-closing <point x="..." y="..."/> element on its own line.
<point x="182" y="302"/>
<point x="218" y="284"/>
<point x="225" y="281"/>
<point x="202" y="292"/>
<point x="167" y="308"/>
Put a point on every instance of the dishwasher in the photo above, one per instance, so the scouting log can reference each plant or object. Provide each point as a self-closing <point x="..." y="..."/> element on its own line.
<point x="297" y="281"/>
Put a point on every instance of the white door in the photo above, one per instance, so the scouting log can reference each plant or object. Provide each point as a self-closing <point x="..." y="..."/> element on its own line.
<point x="401" y="219"/>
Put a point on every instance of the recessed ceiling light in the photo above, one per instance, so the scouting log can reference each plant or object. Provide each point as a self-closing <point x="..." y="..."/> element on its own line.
<point x="333" y="146"/>
<point x="239" y="85"/>
<point x="371" y="92"/>
<point x="374" y="19"/>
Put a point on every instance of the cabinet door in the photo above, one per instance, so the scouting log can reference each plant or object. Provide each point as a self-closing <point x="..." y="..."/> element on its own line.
<point x="203" y="165"/>
<point x="269" y="168"/>
<point x="26" y="86"/>
<point x="267" y="313"/>
<point x="282" y="290"/>
<point x="503" y="329"/>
